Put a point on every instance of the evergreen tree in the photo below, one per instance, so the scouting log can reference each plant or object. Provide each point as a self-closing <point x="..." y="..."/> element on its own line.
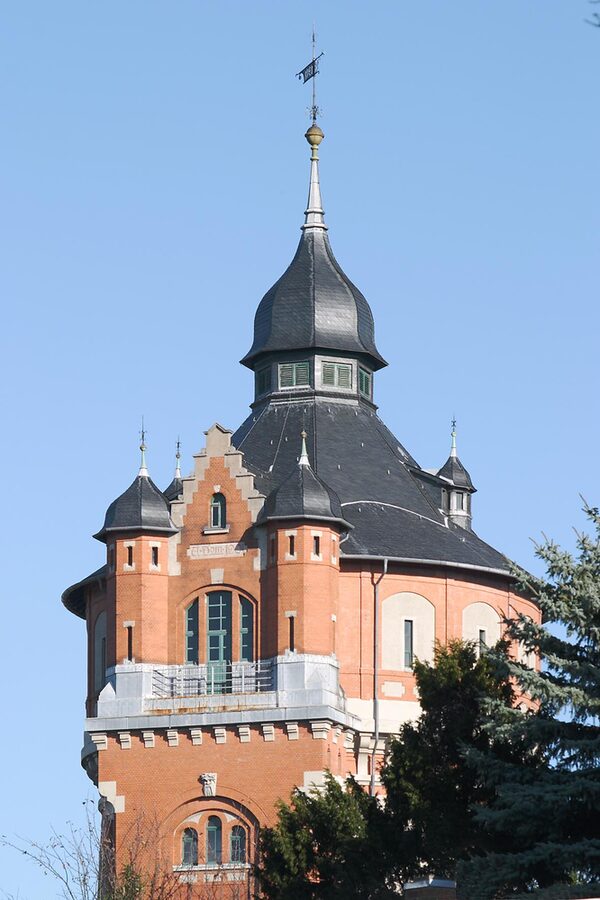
<point x="551" y="809"/>
<point x="325" y="845"/>
<point x="431" y="787"/>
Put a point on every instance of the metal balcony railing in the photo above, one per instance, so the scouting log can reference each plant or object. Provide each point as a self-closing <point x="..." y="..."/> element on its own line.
<point x="213" y="678"/>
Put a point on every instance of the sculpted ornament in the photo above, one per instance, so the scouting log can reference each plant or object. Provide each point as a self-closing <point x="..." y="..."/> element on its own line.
<point x="208" y="780"/>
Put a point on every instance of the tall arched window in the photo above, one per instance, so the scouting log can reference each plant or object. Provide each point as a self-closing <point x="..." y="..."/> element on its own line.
<point x="189" y="847"/>
<point x="214" y="841"/>
<point x="238" y="844"/>
<point x="218" y="511"/>
<point x="191" y="633"/>
<point x="246" y="630"/>
<point x="100" y="652"/>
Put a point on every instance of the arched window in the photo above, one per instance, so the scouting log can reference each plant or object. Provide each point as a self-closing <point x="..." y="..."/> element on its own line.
<point x="214" y="840"/>
<point x="481" y="625"/>
<point x="238" y="844"/>
<point x="218" y="511"/>
<point x="246" y="630"/>
<point x="100" y="652"/>
<point x="189" y="847"/>
<point x="407" y="632"/>
<point x="191" y="633"/>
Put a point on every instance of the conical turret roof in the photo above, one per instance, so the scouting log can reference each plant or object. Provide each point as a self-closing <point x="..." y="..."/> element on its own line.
<point x="303" y="495"/>
<point x="453" y="470"/>
<point x="142" y="507"/>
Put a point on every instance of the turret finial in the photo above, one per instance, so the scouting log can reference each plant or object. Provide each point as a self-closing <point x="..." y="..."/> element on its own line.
<point x="314" y="211"/>
<point x="304" y="460"/>
<point x="177" y="458"/>
<point x="453" y="435"/>
<point x="143" y="469"/>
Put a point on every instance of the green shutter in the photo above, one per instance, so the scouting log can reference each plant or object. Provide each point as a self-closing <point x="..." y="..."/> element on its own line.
<point x="301" y="373"/>
<point x="328" y="374"/>
<point x="286" y="375"/>
<point x="344" y="376"/>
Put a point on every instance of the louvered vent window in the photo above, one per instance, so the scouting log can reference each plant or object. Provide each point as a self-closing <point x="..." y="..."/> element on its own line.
<point x="263" y="381"/>
<point x="337" y="375"/>
<point x="364" y="382"/>
<point x="294" y="375"/>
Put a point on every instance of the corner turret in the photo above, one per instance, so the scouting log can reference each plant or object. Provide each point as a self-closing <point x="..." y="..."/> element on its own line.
<point x="457" y="496"/>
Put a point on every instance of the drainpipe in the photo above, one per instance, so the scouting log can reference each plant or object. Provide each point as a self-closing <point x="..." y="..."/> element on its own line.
<point x="376" y="675"/>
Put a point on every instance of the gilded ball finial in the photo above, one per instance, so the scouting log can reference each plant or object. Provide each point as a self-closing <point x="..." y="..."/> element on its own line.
<point x="314" y="135"/>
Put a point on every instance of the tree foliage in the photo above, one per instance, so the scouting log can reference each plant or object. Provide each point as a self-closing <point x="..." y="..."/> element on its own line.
<point x="553" y="808"/>
<point x="324" y="845"/>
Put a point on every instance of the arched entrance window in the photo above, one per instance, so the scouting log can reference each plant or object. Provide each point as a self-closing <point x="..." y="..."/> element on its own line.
<point x="189" y="847"/>
<point x="218" y="511"/>
<point x="191" y="633"/>
<point x="219" y="641"/>
<point x="214" y="840"/>
<point x="238" y="844"/>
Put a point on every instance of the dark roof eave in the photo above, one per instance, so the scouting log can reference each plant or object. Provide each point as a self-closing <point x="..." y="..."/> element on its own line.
<point x="73" y="597"/>
<point x="298" y="517"/>
<point x="129" y="529"/>
<point x="376" y="361"/>
<point x="431" y="562"/>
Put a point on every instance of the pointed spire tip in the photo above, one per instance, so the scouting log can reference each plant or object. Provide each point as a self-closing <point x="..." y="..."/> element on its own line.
<point x="304" y="460"/>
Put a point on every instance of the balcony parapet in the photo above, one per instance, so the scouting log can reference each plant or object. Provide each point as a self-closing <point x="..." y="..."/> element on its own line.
<point x="291" y="681"/>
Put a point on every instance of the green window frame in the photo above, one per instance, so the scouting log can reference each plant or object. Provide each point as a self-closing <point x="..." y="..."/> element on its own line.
<point x="365" y="382"/>
<point x="337" y="375"/>
<point x="189" y="847"/>
<point x="294" y="375"/>
<point x="214" y="841"/>
<point x="192" y="643"/>
<point x="218" y="511"/>
<point x="409" y="657"/>
<point x="237" y="844"/>
<point x="218" y="639"/>
<point x="246" y="630"/>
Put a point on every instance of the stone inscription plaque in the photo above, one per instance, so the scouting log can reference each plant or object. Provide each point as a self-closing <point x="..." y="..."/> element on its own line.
<point x="212" y="551"/>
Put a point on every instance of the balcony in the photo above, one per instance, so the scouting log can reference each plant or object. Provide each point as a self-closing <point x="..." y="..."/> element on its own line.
<point x="213" y="679"/>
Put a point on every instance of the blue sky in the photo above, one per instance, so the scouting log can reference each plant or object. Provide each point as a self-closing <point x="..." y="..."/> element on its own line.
<point x="153" y="176"/>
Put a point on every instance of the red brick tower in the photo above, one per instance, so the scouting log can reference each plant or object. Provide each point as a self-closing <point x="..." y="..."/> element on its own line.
<point x="255" y="624"/>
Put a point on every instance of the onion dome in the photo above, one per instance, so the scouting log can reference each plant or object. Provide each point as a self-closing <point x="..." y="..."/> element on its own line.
<point x="314" y="305"/>
<point x="453" y="470"/>
<point x="142" y="507"/>
<point x="303" y="495"/>
<point x="175" y="489"/>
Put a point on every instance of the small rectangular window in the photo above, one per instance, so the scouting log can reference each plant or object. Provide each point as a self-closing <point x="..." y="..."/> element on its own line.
<point x="130" y="643"/>
<point x="155" y="556"/>
<point x="459" y="500"/>
<point x="336" y="375"/>
<point x="292" y="621"/>
<point x="294" y="375"/>
<point x="408" y="644"/>
<point x="317" y="545"/>
<point x="482" y="641"/>
<point x="273" y="549"/>
<point x="364" y="382"/>
<point x="292" y="545"/>
<point x="263" y="380"/>
<point x="130" y="556"/>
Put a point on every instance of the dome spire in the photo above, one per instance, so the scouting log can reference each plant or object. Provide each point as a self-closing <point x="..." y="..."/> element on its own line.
<point x="314" y="216"/>
<point x="177" y="458"/>
<point x="304" y="460"/>
<point x="143" y="469"/>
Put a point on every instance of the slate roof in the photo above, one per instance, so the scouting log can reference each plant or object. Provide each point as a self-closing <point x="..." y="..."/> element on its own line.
<point x="455" y="472"/>
<point x="378" y="482"/>
<point x="303" y="495"/>
<point x="174" y="490"/>
<point x="141" y="507"/>
<point x="314" y="305"/>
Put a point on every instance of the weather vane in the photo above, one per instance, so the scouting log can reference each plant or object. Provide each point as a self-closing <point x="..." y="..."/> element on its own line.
<point x="311" y="71"/>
